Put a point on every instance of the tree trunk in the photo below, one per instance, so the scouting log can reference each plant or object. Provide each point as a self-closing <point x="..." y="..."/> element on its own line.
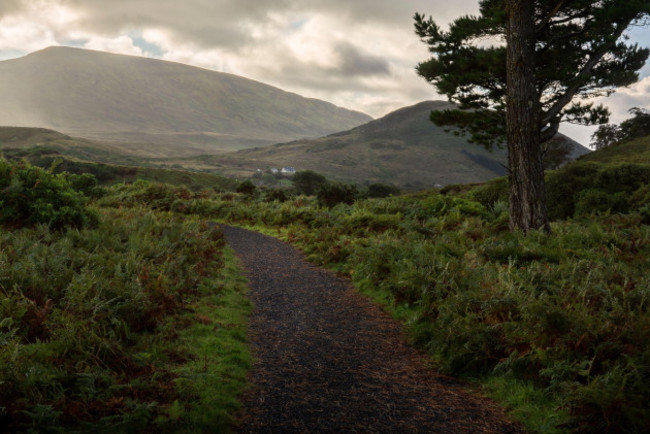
<point x="527" y="190"/>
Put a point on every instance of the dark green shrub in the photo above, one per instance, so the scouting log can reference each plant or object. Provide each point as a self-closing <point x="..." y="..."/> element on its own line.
<point x="275" y="194"/>
<point x="381" y="190"/>
<point x="597" y="201"/>
<point x="247" y="187"/>
<point x="562" y="186"/>
<point x="491" y="192"/>
<point x="331" y="194"/>
<point x="86" y="183"/>
<point x="565" y="189"/>
<point x="30" y="195"/>
<point x="308" y="182"/>
<point x="622" y="178"/>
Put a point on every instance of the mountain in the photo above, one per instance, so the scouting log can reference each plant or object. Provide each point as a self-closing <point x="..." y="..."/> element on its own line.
<point x="156" y="108"/>
<point x="404" y="148"/>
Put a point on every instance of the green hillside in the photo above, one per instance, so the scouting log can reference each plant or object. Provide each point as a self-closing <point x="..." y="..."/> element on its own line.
<point x="404" y="148"/>
<point x="183" y="110"/>
<point x="47" y="148"/>
<point x="635" y="151"/>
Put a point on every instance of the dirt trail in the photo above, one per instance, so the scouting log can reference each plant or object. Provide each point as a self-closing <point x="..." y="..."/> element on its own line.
<point x="328" y="360"/>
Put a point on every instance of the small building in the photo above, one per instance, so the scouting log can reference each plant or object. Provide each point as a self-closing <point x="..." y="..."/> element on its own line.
<point x="274" y="171"/>
<point x="288" y="170"/>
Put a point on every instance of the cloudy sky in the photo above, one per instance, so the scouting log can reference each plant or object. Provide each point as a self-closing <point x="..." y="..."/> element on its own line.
<point x="358" y="54"/>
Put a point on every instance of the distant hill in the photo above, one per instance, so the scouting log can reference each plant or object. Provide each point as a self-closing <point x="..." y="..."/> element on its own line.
<point x="635" y="151"/>
<point x="404" y="148"/>
<point x="156" y="108"/>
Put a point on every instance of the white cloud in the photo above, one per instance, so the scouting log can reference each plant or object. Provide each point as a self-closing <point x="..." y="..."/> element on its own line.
<point x="36" y="25"/>
<point x="635" y="95"/>
<point x="120" y="44"/>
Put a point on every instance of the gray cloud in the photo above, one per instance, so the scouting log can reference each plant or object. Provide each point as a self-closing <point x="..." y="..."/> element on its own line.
<point x="360" y="54"/>
<point x="356" y="63"/>
<point x="10" y="6"/>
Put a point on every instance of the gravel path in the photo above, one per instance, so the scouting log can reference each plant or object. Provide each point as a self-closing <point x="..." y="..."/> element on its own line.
<point x="328" y="360"/>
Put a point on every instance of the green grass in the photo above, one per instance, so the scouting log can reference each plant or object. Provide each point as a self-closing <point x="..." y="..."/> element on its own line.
<point x="635" y="151"/>
<point x="210" y="383"/>
<point x="527" y="403"/>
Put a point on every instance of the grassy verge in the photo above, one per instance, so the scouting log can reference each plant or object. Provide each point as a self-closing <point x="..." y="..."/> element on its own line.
<point x="211" y="381"/>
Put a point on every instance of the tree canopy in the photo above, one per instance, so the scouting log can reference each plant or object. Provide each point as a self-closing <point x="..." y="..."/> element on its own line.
<point x="581" y="51"/>
<point x="636" y="126"/>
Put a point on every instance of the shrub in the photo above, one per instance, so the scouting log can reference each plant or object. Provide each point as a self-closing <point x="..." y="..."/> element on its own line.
<point x="381" y="190"/>
<point x="30" y="195"/>
<point x="331" y="194"/>
<point x="86" y="183"/>
<point x="274" y="194"/>
<point x="308" y="182"/>
<point x="597" y="201"/>
<point x="491" y="192"/>
<point x="247" y="187"/>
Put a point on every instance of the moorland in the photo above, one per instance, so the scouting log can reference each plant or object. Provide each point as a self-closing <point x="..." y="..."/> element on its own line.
<point x="122" y="309"/>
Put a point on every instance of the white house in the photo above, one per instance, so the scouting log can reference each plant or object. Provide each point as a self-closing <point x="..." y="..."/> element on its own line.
<point x="288" y="170"/>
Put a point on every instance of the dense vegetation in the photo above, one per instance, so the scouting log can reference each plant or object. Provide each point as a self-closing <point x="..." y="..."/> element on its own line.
<point x="556" y="327"/>
<point x="60" y="160"/>
<point x="113" y="319"/>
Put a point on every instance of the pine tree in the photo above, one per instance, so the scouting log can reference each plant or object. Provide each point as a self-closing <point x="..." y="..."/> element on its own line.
<point x="521" y="68"/>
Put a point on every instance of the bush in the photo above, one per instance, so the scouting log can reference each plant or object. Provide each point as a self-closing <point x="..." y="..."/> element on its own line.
<point x="247" y="187"/>
<point x="381" y="190"/>
<point x="87" y="184"/>
<point x="331" y="194"/>
<point x="275" y="194"/>
<point x="566" y="188"/>
<point x="308" y="182"/>
<point x="30" y="195"/>
<point x="491" y="192"/>
<point x="597" y="201"/>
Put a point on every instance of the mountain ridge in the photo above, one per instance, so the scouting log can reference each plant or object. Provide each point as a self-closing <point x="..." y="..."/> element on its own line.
<point x="403" y="147"/>
<point x="132" y="99"/>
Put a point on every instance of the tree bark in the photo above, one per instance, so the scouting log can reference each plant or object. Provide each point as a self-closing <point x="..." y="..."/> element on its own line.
<point x="527" y="189"/>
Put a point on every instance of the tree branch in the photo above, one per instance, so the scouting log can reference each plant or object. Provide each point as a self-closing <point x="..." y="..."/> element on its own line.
<point x="571" y="90"/>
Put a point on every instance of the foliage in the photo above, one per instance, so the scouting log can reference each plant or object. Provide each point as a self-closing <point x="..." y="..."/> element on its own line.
<point x="381" y="190"/>
<point x="99" y="327"/>
<point x="307" y="182"/>
<point x="606" y="135"/>
<point x="333" y="193"/>
<point x="580" y="51"/>
<point x="636" y="127"/>
<point x="30" y="195"/>
<point x="583" y="188"/>
<point x="68" y="161"/>
<point x="246" y="187"/>
<point x="580" y="189"/>
<point x="276" y="194"/>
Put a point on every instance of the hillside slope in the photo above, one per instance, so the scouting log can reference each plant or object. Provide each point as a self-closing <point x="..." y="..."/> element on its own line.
<point x="184" y="110"/>
<point x="635" y="151"/>
<point x="404" y="148"/>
